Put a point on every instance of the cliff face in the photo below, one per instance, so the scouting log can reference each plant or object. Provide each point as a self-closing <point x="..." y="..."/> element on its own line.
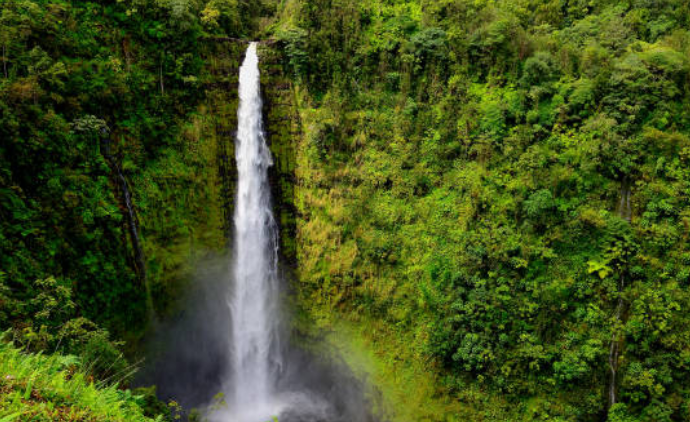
<point x="196" y="216"/>
<point x="185" y="206"/>
<point x="223" y="59"/>
<point x="281" y="120"/>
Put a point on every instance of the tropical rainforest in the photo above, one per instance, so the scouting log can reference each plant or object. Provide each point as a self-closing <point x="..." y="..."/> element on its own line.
<point x="490" y="197"/>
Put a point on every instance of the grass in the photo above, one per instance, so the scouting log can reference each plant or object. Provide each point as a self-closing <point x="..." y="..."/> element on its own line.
<point x="52" y="388"/>
<point x="402" y="387"/>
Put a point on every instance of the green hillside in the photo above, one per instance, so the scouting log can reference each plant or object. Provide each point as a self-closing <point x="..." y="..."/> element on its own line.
<point x="500" y="190"/>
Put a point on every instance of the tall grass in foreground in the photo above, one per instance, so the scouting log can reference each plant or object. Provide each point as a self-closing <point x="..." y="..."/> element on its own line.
<point x="53" y="388"/>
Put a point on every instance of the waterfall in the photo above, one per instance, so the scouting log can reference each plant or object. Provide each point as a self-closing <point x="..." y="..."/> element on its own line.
<point x="227" y="354"/>
<point x="258" y="386"/>
<point x="253" y="301"/>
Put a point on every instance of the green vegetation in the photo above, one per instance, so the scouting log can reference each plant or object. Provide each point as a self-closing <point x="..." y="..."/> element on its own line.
<point x="88" y="91"/>
<point x="93" y="94"/>
<point x="495" y="195"/>
<point x="502" y="188"/>
<point x="53" y="388"/>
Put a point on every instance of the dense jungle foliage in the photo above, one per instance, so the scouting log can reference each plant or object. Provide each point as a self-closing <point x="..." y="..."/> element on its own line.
<point x="96" y="97"/>
<point x="495" y="193"/>
<point x="499" y="190"/>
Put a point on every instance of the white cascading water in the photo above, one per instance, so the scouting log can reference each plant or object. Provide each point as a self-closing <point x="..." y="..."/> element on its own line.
<point x="253" y="303"/>
<point x="256" y="359"/>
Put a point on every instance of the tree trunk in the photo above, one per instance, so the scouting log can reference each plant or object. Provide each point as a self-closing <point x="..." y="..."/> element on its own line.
<point x="160" y="73"/>
<point x="4" y="61"/>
